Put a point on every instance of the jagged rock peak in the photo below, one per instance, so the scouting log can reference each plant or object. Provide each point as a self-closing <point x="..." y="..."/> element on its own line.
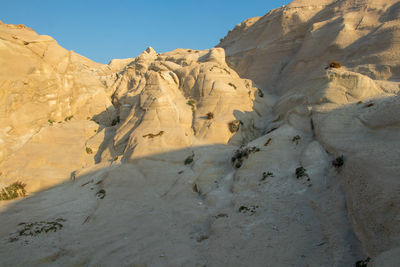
<point x="150" y="50"/>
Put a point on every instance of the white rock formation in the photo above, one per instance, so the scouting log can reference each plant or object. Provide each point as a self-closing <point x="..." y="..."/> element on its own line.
<point x="183" y="162"/>
<point x="352" y="108"/>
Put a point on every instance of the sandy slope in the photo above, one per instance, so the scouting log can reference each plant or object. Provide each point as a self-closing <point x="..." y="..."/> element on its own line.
<point x="132" y="200"/>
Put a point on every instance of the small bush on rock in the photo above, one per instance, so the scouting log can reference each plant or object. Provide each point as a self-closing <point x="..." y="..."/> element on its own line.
<point x="101" y="194"/>
<point x="241" y="153"/>
<point x="234" y="126"/>
<point x="338" y="162"/>
<point x="234" y="86"/>
<point x="36" y="228"/>
<point x="68" y="118"/>
<point x="296" y="139"/>
<point x="266" y="175"/>
<point x="13" y="191"/>
<point x="362" y="263"/>
<point x="210" y="116"/>
<point x="192" y="103"/>
<point x="150" y="135"/>
<point x="189" y="159"/>
<point x="251" y="210"/>
<point x="300" y="172"/>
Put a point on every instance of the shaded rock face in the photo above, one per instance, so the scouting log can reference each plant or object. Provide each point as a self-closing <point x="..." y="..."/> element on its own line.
<point x="285" y="52"/>
<point x="176" y="159"/>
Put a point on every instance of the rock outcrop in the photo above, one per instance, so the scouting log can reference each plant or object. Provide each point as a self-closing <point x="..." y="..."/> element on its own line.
<point x="277" y="147"/>
<point x="352" y="108"/>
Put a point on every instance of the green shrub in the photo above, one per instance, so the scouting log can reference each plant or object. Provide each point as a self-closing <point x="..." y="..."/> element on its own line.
<point x="300" y="172"/>
<point x="251" y="210"/>
<point x="362" y="263"/>
<point x="296" y="139"/>
<point x="338" y="162"/>
<point x="189" y="159"/>
<point x="68" y="118"/>
<point x="266" y="175"/>
<point x="192" y="103"/>
<point x="234" y="86"/>
<point x="210" y="116"/>
<point x="13" y="191"/>
<point x="234" y="126"/>
<point x="242" y="153"/>
<point x="36" y="228"/>
<point x="89" y="150"/>
<point x="101" y="194"/>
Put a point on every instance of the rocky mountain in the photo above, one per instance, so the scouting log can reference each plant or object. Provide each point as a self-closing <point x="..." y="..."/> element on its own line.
<point x="278" y="147"/>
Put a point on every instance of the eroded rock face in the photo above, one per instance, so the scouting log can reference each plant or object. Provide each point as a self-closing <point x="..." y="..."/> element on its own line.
<point x="346" y="108"/>
<point x="291" y="43"/>
<point x="172" y="94"/>
<point x="185" y="163"/>
<point x="42" y="85"/>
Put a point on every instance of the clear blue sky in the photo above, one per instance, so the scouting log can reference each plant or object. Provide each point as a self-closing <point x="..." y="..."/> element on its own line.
<point x="102" y="30"/>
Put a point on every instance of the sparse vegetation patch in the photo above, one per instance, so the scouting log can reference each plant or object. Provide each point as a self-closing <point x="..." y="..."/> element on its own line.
<point x="296" y="139"/>
<point x="210" y="116"/>
<point x="242" y="153"/>
<point x="338" y="162"/>
<point x="13" y="191"/>
<point x="301" y="172"/>
<point x="68" y="118"/>
<point x="192" y="103"/>
<point x="36" y="228"/>
<point x="266" y="175"/>
<point x="150" y="135"/>
<point x="89" y="150"/>
<point x="189" y="159"/>
<point x="234" y="86"/>
<point x="249" y="210"/>
<point x="362" y="263"/>
<point x="234" y="126"/>
<point x="101" y="194"/>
